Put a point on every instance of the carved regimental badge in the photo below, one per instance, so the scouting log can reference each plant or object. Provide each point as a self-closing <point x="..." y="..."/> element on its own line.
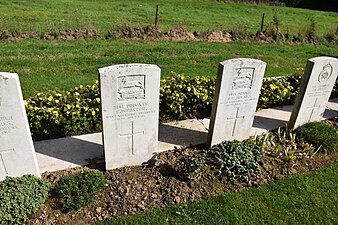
<point x="243" y="78"/>
<point x="326" y="73"/>
<point x="131" y="87"/>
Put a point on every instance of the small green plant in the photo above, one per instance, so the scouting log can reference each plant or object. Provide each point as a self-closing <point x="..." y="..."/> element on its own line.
<point x="189" y="166"/>
<point x="21" y="197"/>
<point x="79" y="190"/>
<point x="320" y="135"/>
<point x="286" y="146"/>
<point x="235" y="160"/>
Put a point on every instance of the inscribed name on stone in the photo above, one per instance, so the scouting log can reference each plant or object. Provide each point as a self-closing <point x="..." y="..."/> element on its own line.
<point x="17" y="154"/>
<point x="130" y="113"/>
<point x="316" y="86"/>
<point x="235" y="100"/>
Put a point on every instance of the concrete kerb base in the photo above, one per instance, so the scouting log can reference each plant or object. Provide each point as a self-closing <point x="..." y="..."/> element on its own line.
<point x="70" y="152"/>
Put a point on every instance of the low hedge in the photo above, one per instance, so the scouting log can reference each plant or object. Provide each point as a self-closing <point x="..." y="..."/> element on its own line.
<point x="64" y="113"/>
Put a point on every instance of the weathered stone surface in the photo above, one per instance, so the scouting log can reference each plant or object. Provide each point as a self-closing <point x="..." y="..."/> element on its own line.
<point x="236" y="96"/>
<point x="17" y="155"/>
<point x="315" y="89"/>
<point x="130" y="111"/>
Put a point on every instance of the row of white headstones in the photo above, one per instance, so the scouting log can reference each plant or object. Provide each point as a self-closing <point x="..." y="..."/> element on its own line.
<point x="130" y="110"/>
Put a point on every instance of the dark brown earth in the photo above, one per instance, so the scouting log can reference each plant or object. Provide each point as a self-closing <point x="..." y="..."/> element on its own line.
<point x="127" y="32"/>
<point x="157" y="185"/>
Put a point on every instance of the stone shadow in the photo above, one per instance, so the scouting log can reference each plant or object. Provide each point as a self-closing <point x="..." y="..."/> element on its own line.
<point x="69" y="151"/>
<point x="181" y="136"/>
<point x="268" y="123"/>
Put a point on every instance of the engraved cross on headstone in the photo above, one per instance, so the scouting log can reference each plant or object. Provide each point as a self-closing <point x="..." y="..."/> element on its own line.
<point x="312" y="108"/>
<point x="235" y="121"/>
<point x="2" y="161"/>
<point x="131" y="134"/>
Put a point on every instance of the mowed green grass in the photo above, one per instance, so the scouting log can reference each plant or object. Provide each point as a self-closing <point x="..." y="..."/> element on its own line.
<point x="49" y="65"/>
<point x="196" y="15"/>
<point x="302" y="199"/>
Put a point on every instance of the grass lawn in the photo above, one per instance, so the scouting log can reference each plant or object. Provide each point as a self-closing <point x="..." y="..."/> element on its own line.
<point x="196" y="15"/>
<point x="48" y="65"/>
<point x="301" y="199"/>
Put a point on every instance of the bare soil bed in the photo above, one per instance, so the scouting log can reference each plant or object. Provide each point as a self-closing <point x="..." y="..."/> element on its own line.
<point x="145" y="33"/>
<point x="157" y="185"/>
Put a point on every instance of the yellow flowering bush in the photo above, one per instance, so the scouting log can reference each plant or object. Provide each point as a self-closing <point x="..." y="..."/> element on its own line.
<point x="184" y="97"/>
<point x="278" y="91"/>
<point x="64" y="113"/>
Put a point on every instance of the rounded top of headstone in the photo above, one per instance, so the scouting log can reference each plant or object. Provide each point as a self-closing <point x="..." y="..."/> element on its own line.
<point x="242" y="60"/>
<point x="323" y="58"/>
<point x="128" y="66"/>
<point x="7" y="75"/>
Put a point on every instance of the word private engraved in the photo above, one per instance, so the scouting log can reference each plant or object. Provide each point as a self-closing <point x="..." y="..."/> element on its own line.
<point x="243" y="79"/>
<point x="131" y="87"/>
<point x="326" y="73"/>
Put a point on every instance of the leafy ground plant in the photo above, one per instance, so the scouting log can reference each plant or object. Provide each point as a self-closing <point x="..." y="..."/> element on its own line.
<point x="79" y="189"/>
<point x="235" y="159"/>
<point x="21" y="196"/>
<point x="320" y="135"/>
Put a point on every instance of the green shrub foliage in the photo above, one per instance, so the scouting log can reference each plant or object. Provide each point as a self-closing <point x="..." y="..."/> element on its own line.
<point x="79" y="190"/>
<point x="64" y="113"/>
<point x="235" y="159"/>
<point x="183" y="97"/>
<point x="320" y="135"/>
<point x="188" y="167"/>
<point x="21" y="196"/>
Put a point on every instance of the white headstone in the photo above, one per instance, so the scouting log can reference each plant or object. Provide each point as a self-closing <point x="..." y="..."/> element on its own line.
<point x="17" y="154"/>
<point x="316" y="86"/>
<point x="130" y="113"/>
<point x="237" y="90"/>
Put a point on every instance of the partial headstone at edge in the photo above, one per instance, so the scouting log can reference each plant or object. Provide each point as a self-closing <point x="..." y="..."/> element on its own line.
<point x="17" y="154"/>
<point x="316" y="86"/>
<point x="237" y="91"/>
<point x="130" y="113"/>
